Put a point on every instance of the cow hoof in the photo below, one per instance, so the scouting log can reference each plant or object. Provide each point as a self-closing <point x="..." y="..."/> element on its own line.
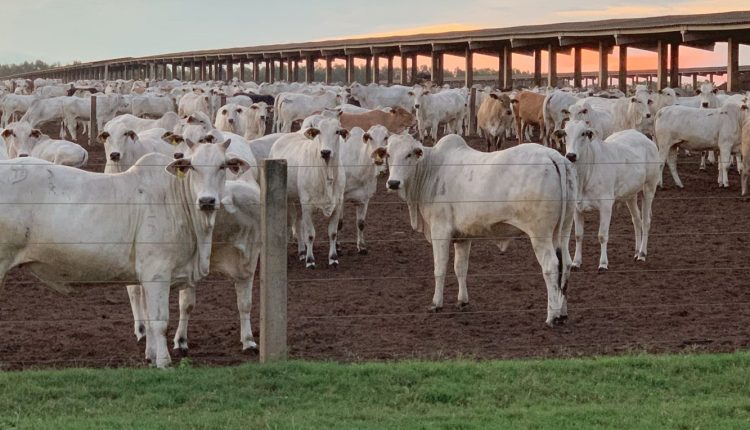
<point x="301" y="256"/>
<point x="250" y="350"/>
<point x="641" y="257"/>
<point x="462" y="305"/>
<point x="310" y="266"/>
<point x="362" y="251"/>
<point x="575" y="267"/>
<point x="603" y="270"/>
<point x="333" y="264"/>
<point x="181" y="352"/>
<point x="435" y="309"/>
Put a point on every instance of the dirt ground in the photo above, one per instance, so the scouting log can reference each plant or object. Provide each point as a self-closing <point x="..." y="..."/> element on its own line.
<point x="692" y="294"/>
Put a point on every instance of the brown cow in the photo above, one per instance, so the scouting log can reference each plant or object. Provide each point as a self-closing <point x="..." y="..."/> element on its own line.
<point x="494" y="117"/>
<point x="396" y="121"/>
<point x="528" y="109"/>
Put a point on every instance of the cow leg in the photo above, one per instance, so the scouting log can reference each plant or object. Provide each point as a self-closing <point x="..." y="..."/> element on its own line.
<point x="462" y="248"/>
<point x="308" y="235"/>
<point x="648" y="199"/>
<point x="724" y="159"/>
<point x="672" y="163"/>
<point x="635" y="216"/>
<point x="134" y="294"/>
<point x="434" y="133"/>
<point x="547" y="258"/>
<point x="578" y="221"/>
<point x="244" y="290"/>
<point x="440" y="252"/>
<point x="361" y="214"/>
<point x="711" y="159"/>
<point x="703" y="161"/>
<point x="150" y="354"/>
<point x="156" y="298"/>
<point x="605" y="216"/>
<point x="333" y="228"/>
<point x="295" y="220"/>
<point x="187" y="304"/>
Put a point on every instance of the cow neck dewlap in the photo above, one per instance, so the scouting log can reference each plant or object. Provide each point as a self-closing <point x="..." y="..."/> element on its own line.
<point x="586" y="165"/>
<point x="417" y="189"/>
<point x="200" y="224"/>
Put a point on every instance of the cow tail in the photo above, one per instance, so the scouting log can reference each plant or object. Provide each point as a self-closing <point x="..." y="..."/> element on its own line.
<point x="562" y="173"/>
<point x="547" y="118"/>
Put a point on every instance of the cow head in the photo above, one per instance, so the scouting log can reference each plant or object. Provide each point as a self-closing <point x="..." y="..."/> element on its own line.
<point x="376" y="140"/>
<point x="205" y="171"/>
<point x="403" y="153"/>
<point x="119" y="145"/>
<point x="708" y="95"/>
<point x="577" y="138"/>
<point x="21" y="138"/>
<point x="229" y="116"/>
<point x="329" y="133"/>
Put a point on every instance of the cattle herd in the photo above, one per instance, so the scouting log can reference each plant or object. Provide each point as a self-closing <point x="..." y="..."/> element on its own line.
<point x="179" y="195"/>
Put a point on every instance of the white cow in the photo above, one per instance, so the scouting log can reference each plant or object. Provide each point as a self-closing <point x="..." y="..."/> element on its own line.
<point x="234" y="252"/>
<point x="700" y="130"/>
<point x="373" y="95"/>
<point x="363" y="156"/>
<point x="292" y="107"/>
<point x="618" y="168"/>
<point x="192" y="103"/>
<point x="26" y="141"/>
<point x="255" y="120"/>
<point x="132" y="122"/>
<point x="447" y="107"/>
<point x="77" y="109"/>
<point x="315" y="179"/>
<point x="745" y="150"/>
<point x="142" y="240"/>
<point x="152" y="106"/>
<point x="261" y="146"/>
<point x="13" y="106"/>
<point x="44" y="111"/>
<point x="555" y="108"/>
<point x="455" y="193"/>
<point x="231" y="117"/>
<point x="123" y="146"/>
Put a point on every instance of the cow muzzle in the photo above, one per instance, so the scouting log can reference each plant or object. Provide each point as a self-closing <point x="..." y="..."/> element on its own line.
<point x="114" y="156"/>
<point x="207" y="203"/>
<point x="704" y="104"/>
<point x="326" y="154"/>
<point x="572" y="157"/>
<point x="394" y="184"/>
<point x="23" y="155"/>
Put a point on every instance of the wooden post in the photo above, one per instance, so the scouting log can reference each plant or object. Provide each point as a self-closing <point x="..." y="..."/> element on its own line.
<point x="622" y="72"/>
<point x="552" y="66"/>
<point x="733" y="65"/>
<point x="273" y="274"/>
<point x="93" y="128"/>
<point x="507" y="67"/>
<point x="469" y="76"/>
<point x="674" y="65"/>
<point x="577" y="51"/>
<point x="389" y="72"/>
<point x="603" y="65"/>
<point x="472" y="112"/>
<point x="661" y="67"/>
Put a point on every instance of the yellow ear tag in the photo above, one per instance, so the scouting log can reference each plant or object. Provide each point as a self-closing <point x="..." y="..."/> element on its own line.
<point x="180" y="174"/>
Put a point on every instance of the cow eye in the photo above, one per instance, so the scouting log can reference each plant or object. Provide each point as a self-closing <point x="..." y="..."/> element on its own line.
<point x="408" y="155"/>
<point x="224" y="112"/>
<point x="222" y="167"/>
<point x="239" y="110"/>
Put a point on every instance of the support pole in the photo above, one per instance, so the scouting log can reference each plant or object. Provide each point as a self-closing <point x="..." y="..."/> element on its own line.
<point x="93" y="127"/>
<point x="469" y="76"/>
<point x="733" y="65"/>
<point x="507" y="68"/>
<point x="674" y="65"/>
<point x="577" y="54"/>
<point x="273" y="273"/>
<point x="603" y="65"/>
<point x="552" y="66"/>
<point x="389" y="76"/>
<point x="661" y="66"/>
<point x="622" y="72"/>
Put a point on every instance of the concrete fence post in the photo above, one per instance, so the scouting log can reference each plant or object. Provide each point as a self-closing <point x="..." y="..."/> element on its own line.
<point x="93" y="128"/>
<point x="273" y="256"/>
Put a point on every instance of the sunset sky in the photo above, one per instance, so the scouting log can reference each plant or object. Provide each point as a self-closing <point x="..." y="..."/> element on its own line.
<point x="85" y="30"/>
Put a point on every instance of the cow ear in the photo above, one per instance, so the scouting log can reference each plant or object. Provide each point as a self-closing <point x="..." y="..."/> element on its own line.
<point x="131" y="134"/>
<point x="650" y="102"/>
<point x="344" y="133"/>
<point x="366" y="137"/>
<point x="589" y="134"/>
<point x="192" y="120"/>
<point x="560" y="133"/>
<point x="340" y="113"/>
<point x="584" y="111"/>
<point x="424" y="93"/>
<point x="715" y="91"/>
<point x="36" y="133"/>
<point x="494" y="96"/>
<point x="103" y="136"/>
<point x="565" y="112"/>
<point x="418" y="152"/>
<point x="238" y="166"/>
<point x="514" y="101"/>
<point x="697" y="92"/>
<point x="411" y="93"/>
<point x="633" y="100"/>
<point x="254" y="107"/>
<point x="226" y="143"/>
<point x="179" y="167"/>
<point x="311" y="133"/>
<point x="743" y="107"/>
<point x="660" y="92"/>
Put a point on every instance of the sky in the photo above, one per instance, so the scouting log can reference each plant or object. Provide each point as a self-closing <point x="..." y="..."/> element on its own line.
<point x="87" y="30"/>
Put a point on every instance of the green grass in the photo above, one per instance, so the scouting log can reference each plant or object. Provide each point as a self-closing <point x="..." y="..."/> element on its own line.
<point x="650" y="392"/>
